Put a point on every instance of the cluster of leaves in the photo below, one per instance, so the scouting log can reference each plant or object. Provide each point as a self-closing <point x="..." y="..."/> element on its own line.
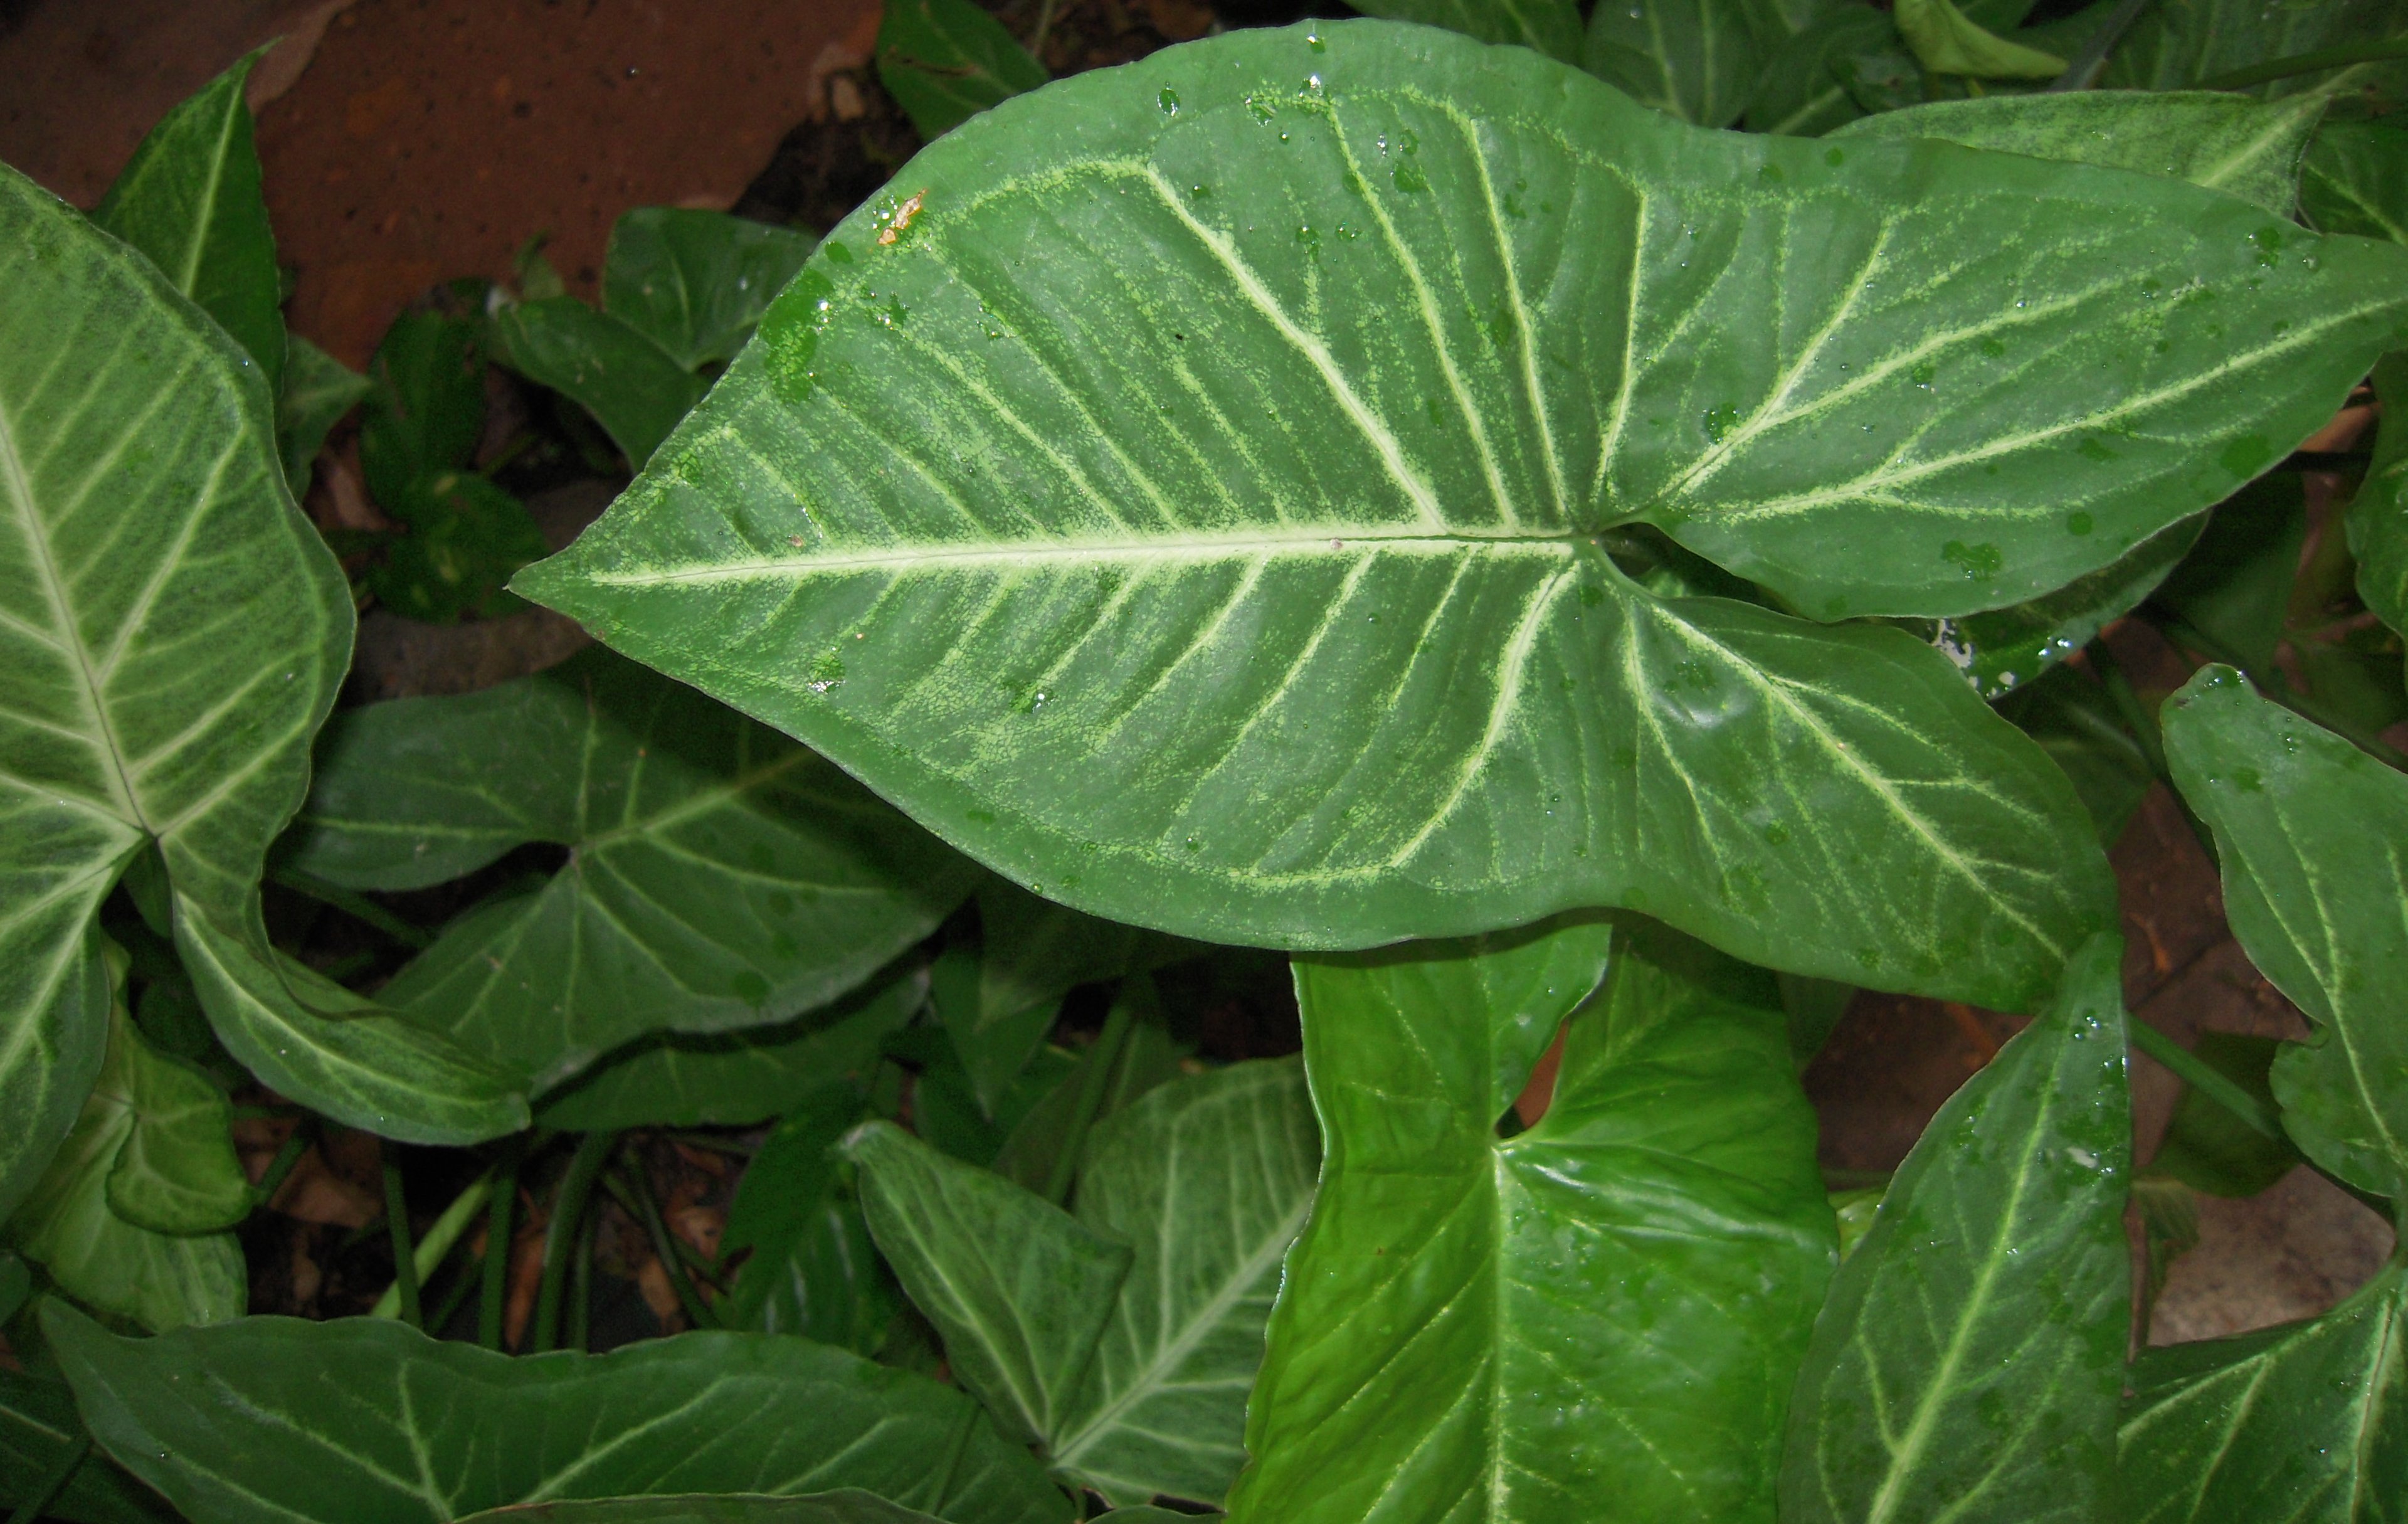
<point x="1544" y="562"/>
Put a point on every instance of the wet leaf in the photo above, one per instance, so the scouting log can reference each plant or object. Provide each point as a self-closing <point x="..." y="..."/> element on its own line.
<point x="2003" y="647"/>
<point x="2378" y="515"/>
<point x="696" y="283"/>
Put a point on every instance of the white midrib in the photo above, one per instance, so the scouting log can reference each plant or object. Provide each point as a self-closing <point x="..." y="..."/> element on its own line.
<point x="1205" y="1319"/>
<point x="1322" y="540"/>
<point x="21" y="489"/>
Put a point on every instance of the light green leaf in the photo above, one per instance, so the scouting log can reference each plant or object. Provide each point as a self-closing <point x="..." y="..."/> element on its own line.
<point x="720" y="876"/>
<point x="1018" y="1288"/>
<point x="1968" y="1361"/>
<point x="2306" y="1423"/>
<point x="318" y="391"/>
<point x="1209" y="1179"/>
<point x="1945" y="42"/>
<point x="2003" y="647"/>
<point x="1694" y="60"/>
<point x="633" y="387"/>
<point x="1609" y="1305"/>
<point x="1804" y="89"/>
<point x="38" y="1429"/>
<point x="1551" y="27"/>
<point x="2355" y="179"/>
<point x="696" y="283"/>
<point x="2378" y="515"/>
<point x="337" y="1052"/>
<point x="814" y="1270"/>
<point x="367" y="1422"/>
<point x="171" y="632"/>
<point x="945" y="61"/>
<point x="734" y="1079"/>
<point x="2178" y="44"/>
<point x="2223" y="142"/>
<point x="2312" y="836"/>
<point x="162" y="1263"/>
<point x="850" y="1506"/>
<point x="190" y="200"/>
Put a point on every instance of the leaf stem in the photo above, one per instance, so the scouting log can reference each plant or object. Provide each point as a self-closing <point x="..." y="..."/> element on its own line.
<point x="359" y="906"/>
<point x="2323" y="58"/>
<point x="2083" y="71"/>
<point x="1044" y="24"/>
<point x="560" y="1234"/>
<point x="2145" y="734"/>
<point x="466" y="1282"/>
<point x="580" y="1288"/>
<point x="493" y="1299"/>
<point x="402" y="1295"/>
<point x="627" y="1184"/>
<point x="2208" y="1080"/>
<point x="35" y="1505"/>
<point x="404" y="1289"/>
<point x="297" y="1143"/>
<point x="1102" y="1059"/>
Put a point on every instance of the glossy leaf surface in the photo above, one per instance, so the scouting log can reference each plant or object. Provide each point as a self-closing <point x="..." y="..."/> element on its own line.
<point x="171" y="632"/>
<point x="630" y="385"/>
<point x="1970" y="1355"/>
<point x="719" y="875"/>
<point x="2227" y="143"/>
<point x="945" y="61"/>
<point x="2003" y="647"/>
<point x="2312" y="836"/>
<point x="1172" y="603"/>
<point x="696" y="283"/>
<point x="190" y="200"/>
<point x="1551" y="27"/>
<point x="1609" y="1304"/>
<point x="2306" y="1423"/>
<point x="852" y="1506"/>
<point x="1693" y="59"/>
<point x="363" y="1420"/>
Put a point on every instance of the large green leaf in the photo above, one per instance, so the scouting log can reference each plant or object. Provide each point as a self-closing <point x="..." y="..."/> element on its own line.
<point x="1970" y="1359"/>
<point x="719" y="875"/>
<point x="1293" y="662"/>
<point x="2306" y="1423"/>
<point x="734" y="1079"/>
<point x="1209" y="1180"/>
<point x="1695" y="59"/>
<point x="2227" y="143"/>
<point x="2378" y="515"/>
<point x="1552" y="27"/>
<point x="696" y="283"/>
<point x="850" y="1506"/>
<point x="2355" y="179"/>
<point x="945" y="61"/>
<point x="630" y="385"/>
<point x="364" y="1421"/>
<point x="39" y="1431"/>
<point x="190" y="200"/>
<point x="127" y="1217"/>
<point x="2176" y="44"/>
<point x="171" y="632"/>
<point x="1804" y="86"/>
<point x="2311" y="837"/>
<point x="1604" y="1311"/>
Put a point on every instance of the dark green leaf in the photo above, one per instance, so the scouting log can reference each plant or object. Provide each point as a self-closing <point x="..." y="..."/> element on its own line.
<point x="364" y="1421"/>
<point x="1147" y="1057"/>
<point x="2305" y="1423"/>
<point x="1018" y="1288"/>
<point x="1030" y="612"/>
<point x="425" y="406"/>
<point x="1945" y="41"/>
<point x="1033" y="952"/>
<point x="815" y="1270"/>
<point x="1609" y="1305"/>
<point x="2356" y="181"/>
<point x="38" y="1428"/>
<point x="16" y="1284"/>
<point x="1691" y="59"/>
<point x="2227" y="143"/>
<point x="633" y="387"/>
<point x="2234" y="587"/>
<point x="1972" y="1353"/>
<point x="2015" y="645"/>
<point x="945" y="61"/>
<point x="1552" y="27"/>
<point x="463" y="536"/>
<point x="171" y="632"/>
<point x="2176" y="44"/>
<point x="190" y="200"/>
<point x="852" y="1506"/>
<point x="2076" y="723"/>
<point x="2210" y="1149"/>
<point x="1814" y="1007"/>
<point x="2310" y="834"/>
<point x="720" y="876"/>
<point x="2168" y="1213"/>
<point x="734" y="1079"/>
<point x="318" y="391"/>
<point x="696" y="283"/>
<point x="1804" y="87"/>
<point x="2378" y="515"/>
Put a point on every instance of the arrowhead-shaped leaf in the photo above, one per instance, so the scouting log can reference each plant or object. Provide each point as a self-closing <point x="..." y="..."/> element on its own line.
<point x="630" y="385"/>
<point x="1604" y="1311"/>
<point x="363" y="1419"/>
<point x="696" y="283"/>
<point x="945" y="61"/>
<point x="719" y="875"/>
<point x="2311" y="837"/>
<point x="1971" y="1355"/>
<point x="2306" y="1423"/>
<point x="1310" y="658"/>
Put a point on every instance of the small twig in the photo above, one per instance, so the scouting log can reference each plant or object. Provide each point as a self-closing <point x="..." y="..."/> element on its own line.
<point x="296" y="1144"/>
